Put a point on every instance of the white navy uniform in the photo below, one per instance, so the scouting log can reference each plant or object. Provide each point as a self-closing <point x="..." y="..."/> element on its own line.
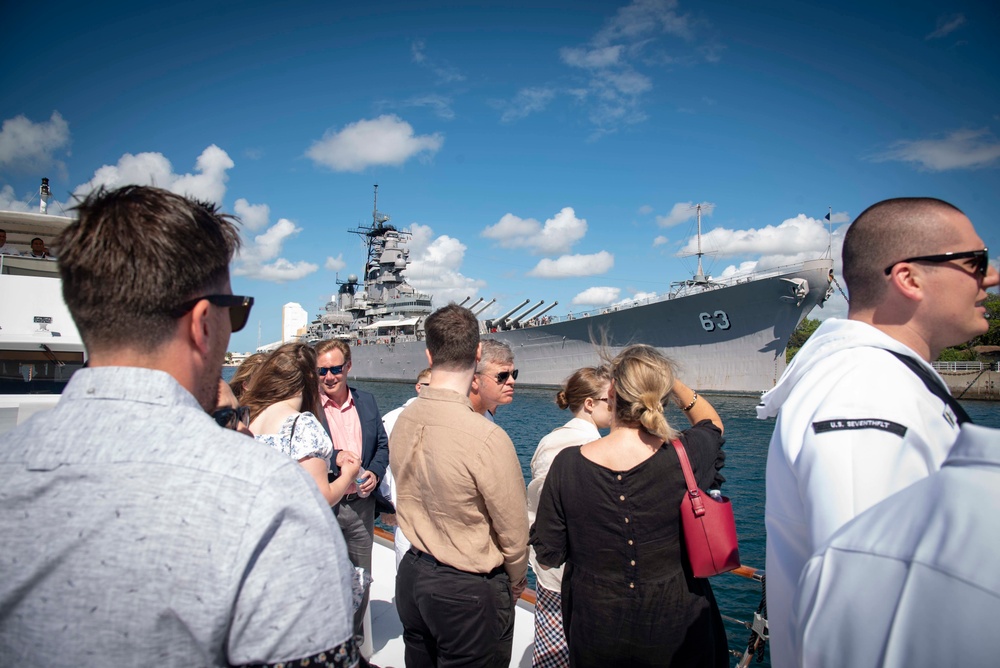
<point x="854" y="426"/>
<point x="913" y="580"/>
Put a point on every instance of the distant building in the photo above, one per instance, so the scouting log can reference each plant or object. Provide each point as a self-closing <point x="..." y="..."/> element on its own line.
<point x="294" y="320"/>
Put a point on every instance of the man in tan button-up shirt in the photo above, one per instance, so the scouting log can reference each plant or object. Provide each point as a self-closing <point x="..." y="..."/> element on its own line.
<point x="461" y="501"/>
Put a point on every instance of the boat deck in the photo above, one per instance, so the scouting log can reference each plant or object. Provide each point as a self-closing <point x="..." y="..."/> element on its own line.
<point x="386" y="631"/>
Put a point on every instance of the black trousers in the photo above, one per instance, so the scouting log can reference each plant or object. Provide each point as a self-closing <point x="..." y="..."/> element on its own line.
<point x="453" y="618"/>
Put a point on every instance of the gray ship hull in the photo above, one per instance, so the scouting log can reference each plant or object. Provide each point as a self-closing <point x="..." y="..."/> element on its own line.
<point x="728" y="339"/>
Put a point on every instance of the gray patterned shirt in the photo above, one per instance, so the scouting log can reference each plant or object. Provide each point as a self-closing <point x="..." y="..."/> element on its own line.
<point x="136" y="531"/>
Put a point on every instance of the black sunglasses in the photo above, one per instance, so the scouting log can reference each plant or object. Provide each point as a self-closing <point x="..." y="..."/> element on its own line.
<point x="239" y="308"/>
<point x="982" y="260"/>
<point x="335" y="370"/>
<point x="230" y="418"/>
<point x="502" y="377"/>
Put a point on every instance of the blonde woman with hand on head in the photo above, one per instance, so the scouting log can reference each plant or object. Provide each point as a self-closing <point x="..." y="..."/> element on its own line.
<point x="284" y="401"/>
<point x="610" y="510"/>
<point x="586" y="396"/>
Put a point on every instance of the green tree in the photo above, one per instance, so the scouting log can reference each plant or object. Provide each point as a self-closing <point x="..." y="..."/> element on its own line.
<point x="800" y="336"/>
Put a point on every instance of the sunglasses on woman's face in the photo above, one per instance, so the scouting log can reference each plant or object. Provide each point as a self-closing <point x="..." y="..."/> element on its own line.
<point x="230" y="418"/>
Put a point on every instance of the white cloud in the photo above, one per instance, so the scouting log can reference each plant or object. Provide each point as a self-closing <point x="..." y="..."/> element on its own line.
<point x="643" y="18"/>
<point x="439" y="104"/>
<point x="962" y="149"/>
<point x="26" y="146"/>
<point x="793" y="240"/>
<point x="791" y="236"/>
<point x="259" y="259"/>
<point x="946" y="25"/>
<point x="10" y="202"/>
<point x="660" y="240"/>
<point x="527" y="101"/>
<point x="254" y="216"/>
<point x="569" y="266"/>
<point x="684" y="211"/>
<point x="592" y="58"/>
<point x="597" y="296"/>
<point x="444" y="71"/>
<point x="435" y="264"/>
<point x="153" y="169"/>
<point x="386" y="140"/>
<point x="840" y="217"/>
<point x="613" y="56"/>
<point x="645" y="210"/>
<point x="335" y="264"/>
<point x="557" y="235"/>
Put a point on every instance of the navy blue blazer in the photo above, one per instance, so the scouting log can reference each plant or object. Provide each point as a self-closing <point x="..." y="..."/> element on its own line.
<point x="374" y="440"/>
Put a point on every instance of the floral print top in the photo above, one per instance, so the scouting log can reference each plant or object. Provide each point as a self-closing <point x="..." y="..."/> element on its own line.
<point x="308" y="440"/>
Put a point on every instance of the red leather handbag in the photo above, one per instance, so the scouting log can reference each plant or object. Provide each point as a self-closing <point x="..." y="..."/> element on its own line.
<point x="709" y="526"/>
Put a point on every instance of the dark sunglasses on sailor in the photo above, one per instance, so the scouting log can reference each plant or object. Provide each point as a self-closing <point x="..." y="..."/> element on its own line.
<point x="239" y="308"/>
<point x="230" y="418"/>
<point x="335" y="370"/>
<point x="982" y="258"/>
<point x="502" y="377"/>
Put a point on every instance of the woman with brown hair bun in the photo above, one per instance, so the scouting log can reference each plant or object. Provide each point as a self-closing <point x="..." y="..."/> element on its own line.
<point x="586" y="396"/>
<point x="283" y="398"/>
<point x="610" y="511"/>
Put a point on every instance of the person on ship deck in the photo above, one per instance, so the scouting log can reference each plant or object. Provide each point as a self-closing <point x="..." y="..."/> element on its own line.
<point x="610" y="511"/>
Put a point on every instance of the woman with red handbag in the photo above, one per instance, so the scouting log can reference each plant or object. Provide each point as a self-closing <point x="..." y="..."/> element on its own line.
<point x="610" y="510"/>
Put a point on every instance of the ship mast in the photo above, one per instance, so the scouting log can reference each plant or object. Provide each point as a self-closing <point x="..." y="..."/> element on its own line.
<point x="700" y="276"/>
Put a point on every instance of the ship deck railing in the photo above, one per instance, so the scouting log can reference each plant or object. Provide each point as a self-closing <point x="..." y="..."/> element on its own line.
<point x="966" y="367"/>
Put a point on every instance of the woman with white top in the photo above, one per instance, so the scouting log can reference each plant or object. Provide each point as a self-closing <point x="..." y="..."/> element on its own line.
<point x="586" y="396"/>
<point x="284" y="401"/>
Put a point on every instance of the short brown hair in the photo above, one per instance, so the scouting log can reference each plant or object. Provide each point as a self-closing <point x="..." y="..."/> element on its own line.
<point x="286" y="372"/>
<point x="585" y="383"/>
<point x="452" y="334"/>
<point x="326" y="345"/>
<point x="136" y="253"/>
<point x="888" y="232"/>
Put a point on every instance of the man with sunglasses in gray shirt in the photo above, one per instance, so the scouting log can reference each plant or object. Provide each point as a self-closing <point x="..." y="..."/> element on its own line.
<point x="135" y="529"/>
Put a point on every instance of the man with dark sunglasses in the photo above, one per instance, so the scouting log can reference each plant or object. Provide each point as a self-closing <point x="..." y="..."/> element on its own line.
<point x="861" y="413"/>
<point x="355" y="424"/>
<point x="143" y="528"/>
<point x="493" y="384"/>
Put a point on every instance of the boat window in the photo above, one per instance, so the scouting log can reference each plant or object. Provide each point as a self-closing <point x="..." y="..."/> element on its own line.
<point x="28" y="266"/>
<point x="37" y="372"/>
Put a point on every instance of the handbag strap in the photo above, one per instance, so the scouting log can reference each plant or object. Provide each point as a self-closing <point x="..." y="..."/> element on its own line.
<point x="693" y="492"/>
<point x="291" y="436"/>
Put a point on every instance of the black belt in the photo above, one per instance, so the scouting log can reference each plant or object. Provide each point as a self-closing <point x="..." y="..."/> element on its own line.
<point x="430" y="558"/>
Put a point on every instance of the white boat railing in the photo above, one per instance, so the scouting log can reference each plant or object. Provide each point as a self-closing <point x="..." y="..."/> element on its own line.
<point x="966" y="367"/>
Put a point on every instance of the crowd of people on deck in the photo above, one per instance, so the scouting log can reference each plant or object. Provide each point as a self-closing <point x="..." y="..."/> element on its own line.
<point x="141" y="522"/>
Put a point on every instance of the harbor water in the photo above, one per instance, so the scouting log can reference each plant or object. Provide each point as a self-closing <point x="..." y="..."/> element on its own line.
<point x="534" y="413"/>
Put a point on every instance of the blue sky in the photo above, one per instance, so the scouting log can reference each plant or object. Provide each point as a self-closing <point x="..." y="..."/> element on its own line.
<point x="535" y="150"/>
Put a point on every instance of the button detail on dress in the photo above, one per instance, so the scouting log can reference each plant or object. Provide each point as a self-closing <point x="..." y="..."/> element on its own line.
<point x="629" y="541"/>
<point x="631" y="585"/>
<point x="619" y="476"/>
<point x="626" y="520"/>
<point x="632" y="562"/>
<point x="621" y="498"/>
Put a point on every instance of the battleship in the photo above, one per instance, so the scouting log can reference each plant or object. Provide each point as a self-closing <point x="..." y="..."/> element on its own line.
<point x="725" y="335"/>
